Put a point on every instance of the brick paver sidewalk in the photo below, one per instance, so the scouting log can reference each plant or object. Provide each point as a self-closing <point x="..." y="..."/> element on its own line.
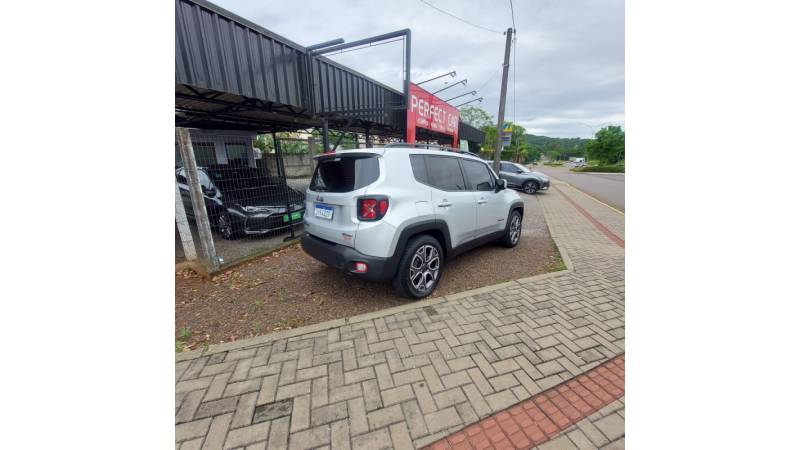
<point x="413" y="376"/>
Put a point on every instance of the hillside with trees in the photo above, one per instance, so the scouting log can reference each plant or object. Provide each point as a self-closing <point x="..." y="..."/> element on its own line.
<point x="607" y="147"/>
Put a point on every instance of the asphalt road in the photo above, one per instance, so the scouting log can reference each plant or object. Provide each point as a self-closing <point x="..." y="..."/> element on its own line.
<point x="606" y="187"/>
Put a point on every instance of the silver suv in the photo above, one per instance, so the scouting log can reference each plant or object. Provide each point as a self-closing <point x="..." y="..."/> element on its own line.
<point x="520" y="177"/>
<point x="399" y="212"/>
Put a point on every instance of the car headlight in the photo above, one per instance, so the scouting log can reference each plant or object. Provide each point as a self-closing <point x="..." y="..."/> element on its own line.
<point x="261" y="209"/>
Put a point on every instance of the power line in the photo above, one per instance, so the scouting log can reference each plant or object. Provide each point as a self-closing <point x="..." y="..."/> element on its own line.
<point x="514" y="79"/>
<point x="490" y="78"/>
<point x="459" y="18"/>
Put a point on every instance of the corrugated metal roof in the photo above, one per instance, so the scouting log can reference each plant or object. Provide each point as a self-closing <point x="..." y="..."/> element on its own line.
<point x="214" y="51"/>
<point x="235" y="72"/>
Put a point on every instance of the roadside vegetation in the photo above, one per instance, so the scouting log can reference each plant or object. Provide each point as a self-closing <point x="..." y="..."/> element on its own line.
<point x="613" y="169"/>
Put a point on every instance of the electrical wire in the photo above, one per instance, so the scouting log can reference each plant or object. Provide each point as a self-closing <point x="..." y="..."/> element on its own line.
<point x="490" y="78"/>
<point x="514" y="80"/>
<point x="459" y="18"/>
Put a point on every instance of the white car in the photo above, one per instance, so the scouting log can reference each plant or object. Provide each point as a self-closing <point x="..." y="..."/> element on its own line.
<point x="400" y="211"/>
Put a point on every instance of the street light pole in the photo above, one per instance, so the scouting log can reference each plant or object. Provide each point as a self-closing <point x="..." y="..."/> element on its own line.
<point x="464" y="82"/>
<point x="452" y="74"/>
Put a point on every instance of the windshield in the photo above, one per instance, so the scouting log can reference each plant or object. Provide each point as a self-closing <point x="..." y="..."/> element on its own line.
<point x="521" y="167"/>
<point x="240" y="178"/>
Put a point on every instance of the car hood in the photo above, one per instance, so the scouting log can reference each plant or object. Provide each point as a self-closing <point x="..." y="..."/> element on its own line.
<point x="263" y="196"/>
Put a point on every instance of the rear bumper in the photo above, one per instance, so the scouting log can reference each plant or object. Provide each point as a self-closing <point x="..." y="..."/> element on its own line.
<point x="342" y="258"/>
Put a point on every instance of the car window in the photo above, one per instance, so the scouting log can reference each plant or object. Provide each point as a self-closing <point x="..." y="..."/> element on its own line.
<point x="506" y="167"/>
<point x="477" y="175"/>
<point x="445" y="173"/>
<point x="419" y="168"/>
<point x="345" y="173"/>
<point x="521" y="167"/>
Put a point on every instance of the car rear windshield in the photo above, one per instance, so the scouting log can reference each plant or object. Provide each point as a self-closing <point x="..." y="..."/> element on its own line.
<point x="345" y="173"/>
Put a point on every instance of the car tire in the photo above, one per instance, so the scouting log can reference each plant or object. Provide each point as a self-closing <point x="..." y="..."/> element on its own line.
<point x="513" y="230"/>
<point x="420" y="267"/>
<point x="225" y="227"/>
<point x="530" y="187"/>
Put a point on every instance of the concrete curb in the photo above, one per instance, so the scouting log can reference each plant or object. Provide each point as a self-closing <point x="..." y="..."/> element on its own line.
<point x="315" y="328"/>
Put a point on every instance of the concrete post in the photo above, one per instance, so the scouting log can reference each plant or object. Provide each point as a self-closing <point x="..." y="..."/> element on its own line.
<point x="209" y="253"/>
<point x="183" y="227"/>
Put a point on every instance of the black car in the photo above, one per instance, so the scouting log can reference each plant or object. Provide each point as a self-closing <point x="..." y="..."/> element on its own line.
<point x="243" y="201"/>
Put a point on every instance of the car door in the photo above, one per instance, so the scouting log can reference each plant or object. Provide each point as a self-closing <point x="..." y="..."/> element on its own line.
<point x="509" y="173"/>
<point x="452" y="202"/>
<point x="491" y="213"/>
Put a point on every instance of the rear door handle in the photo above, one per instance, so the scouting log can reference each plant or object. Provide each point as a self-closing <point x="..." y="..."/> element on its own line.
<point x="482" y="202"/>
<point x="445" y="204"/>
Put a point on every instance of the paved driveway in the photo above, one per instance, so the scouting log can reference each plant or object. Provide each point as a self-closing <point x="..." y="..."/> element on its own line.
<point x="537" y="361"/>
<point x="608" y="187"/>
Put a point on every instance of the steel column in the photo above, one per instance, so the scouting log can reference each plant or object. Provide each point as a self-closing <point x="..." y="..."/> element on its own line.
<point x="282" y="171"/>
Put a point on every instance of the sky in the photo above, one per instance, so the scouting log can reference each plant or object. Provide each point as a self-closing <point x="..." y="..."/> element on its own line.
<point x="567" y="73"/>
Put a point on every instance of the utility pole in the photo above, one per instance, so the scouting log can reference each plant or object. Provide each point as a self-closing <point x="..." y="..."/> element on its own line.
<point x="498" y="142"/>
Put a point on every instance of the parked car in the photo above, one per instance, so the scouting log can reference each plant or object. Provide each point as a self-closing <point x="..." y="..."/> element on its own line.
<point x="400" y="212"/>
<point x="520" y="177"/>
<point x="243" y="201"/>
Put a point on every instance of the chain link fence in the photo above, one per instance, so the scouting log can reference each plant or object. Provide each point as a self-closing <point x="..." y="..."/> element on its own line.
<point x="237" y="193"/>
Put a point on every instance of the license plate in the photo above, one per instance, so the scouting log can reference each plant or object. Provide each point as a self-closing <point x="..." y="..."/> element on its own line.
<point x="295" y="216"/>
<point x="323" y="211"/>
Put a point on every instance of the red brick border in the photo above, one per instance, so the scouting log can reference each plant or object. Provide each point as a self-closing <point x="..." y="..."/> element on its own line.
<point x="545" y="415"/>
<point x="616" y="239"/>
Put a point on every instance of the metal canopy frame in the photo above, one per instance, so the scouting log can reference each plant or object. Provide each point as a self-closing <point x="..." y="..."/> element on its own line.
<point x="203" y="100"/>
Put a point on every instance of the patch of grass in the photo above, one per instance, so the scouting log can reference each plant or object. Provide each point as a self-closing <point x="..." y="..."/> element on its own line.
<point x="557" y="262"/>
<point x="205" y="345"/>
<point x="611" y="169"/>
<point x="258" y="303"/>
<point x="288" y="324"/>
<point x="185" y="333"/>
<point x="256" y="327"/>
<point x="178" y="346"/>
<point x="554" y="164"/>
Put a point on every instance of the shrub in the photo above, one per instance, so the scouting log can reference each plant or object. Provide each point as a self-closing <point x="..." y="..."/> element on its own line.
<point x="613" y="169"/>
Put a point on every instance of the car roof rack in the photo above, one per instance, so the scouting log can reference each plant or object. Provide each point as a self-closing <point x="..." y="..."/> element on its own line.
<point x="431" y="147"/>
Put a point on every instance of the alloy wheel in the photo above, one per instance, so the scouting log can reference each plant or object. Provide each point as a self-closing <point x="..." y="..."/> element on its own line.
<point x="425" y="266"/>
<point x="515" y="229"/>
<point x="224" y="226"/>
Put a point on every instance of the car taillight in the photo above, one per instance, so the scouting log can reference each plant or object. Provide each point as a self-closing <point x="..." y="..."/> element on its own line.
<point x="372" y="208"/>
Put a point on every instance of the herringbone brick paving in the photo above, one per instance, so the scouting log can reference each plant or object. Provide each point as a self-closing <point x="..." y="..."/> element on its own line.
<point x="546" y="415"/>
<point x="409" y="378"/>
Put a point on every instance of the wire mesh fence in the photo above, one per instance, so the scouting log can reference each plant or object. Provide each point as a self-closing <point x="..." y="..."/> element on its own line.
<point x="252" y="193"/>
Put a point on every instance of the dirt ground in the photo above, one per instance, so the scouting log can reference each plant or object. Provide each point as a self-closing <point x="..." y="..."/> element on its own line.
<point x="287" y="288"/>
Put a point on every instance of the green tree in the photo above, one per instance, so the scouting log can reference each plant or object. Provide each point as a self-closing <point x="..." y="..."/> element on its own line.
<point x="476" y="116"/>
<point x="608" y="147"/>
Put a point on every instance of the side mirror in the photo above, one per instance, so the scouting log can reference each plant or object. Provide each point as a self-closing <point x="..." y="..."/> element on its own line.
<point x="501" y="184"/>
<point x="519" y="171"/>
<point x="209" y="191"/>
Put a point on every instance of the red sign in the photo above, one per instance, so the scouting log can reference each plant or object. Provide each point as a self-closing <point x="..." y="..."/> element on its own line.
<point x="428" y="111"/>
